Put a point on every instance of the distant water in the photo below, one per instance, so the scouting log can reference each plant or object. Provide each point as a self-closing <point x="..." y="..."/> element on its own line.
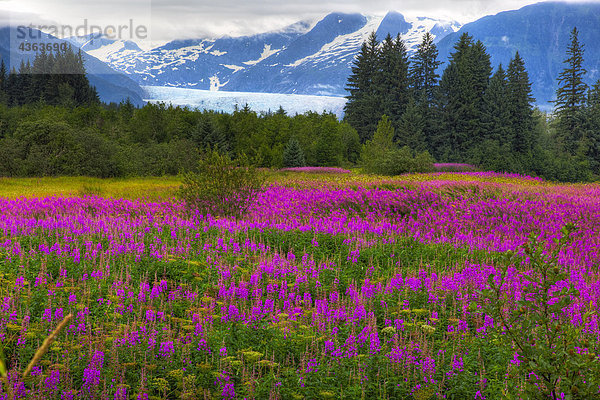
<point x="259" y="102"/>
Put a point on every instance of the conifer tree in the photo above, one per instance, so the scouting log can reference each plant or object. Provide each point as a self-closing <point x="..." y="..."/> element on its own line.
<point x="571" y="96"/>
<point x="210" y="137"/>
<point x="53" y="78"/>
<point x="593" y="126"/>
<point x="126" y="109"/>
<point x="292" y="154"/>
<point x="494" y="149"/>
<point x="410" y="130"/>
<point x="2" y="75"/>
<point x="424" y="84"/>
<point x="3" y="83"/>
<point x="23" y="84"/>
<point x="280" y="111"/>
<point x="424" y="65"/>
<point x="521" y="110"/>
<point x="481" y="69"/>
<point x="391" y="81"/>
<point x="593" y="101"/>
<point x="462" y="88"/>
<point x="362" y="110"/>
<point x="12" y="81"/>
<point x="497" y="113"/>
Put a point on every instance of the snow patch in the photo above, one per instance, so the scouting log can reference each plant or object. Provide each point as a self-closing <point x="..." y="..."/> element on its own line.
<point x="343" y="44"/>
<point x="215" y="84"/>
<point x="234" y="68"/>
<point x="105" y="53"/>
<point x="267" y="52"/>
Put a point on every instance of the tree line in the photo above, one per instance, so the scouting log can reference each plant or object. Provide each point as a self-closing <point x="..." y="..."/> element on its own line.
<point x="121" y="140"/>
<point x="56" y="78"/>
<point x="473" y="114"/>
<point x="400" y="116"/>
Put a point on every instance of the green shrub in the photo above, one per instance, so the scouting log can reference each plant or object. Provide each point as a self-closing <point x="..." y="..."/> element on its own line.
<point x="423" y="162"/>
<point x="382" y="156"/>
<point x="553" y="352"/>
<point x="221" y="186"/>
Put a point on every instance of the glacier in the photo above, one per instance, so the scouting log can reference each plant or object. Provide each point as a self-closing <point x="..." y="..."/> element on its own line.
<point x="260" y="102"/>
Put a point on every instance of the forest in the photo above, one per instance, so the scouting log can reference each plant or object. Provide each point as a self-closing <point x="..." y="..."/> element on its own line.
<point x="401" y="115"/>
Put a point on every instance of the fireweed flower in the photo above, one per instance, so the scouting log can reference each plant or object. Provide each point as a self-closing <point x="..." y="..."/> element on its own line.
<point x="166" y="349"/>
<point x="226" y="386"/>
<point x="47" y="316"/>
<point x="51" y="382"/>
<point x="121" y="393"/>
<point x="290" y="290"/>
<point x="92" y="374"/>
<point x="150" y="316"/>
<point x="19" y="282"/>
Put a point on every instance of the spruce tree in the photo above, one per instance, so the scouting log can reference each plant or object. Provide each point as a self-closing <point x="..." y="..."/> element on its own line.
<point x="462" y="88"/>
<point x="521" y="110"/>
<point x="23" y="93"/>
<point x="410" y="129"/>
<point x="424" y="65"/>
<point x="593" y="101"/>
<point x="424" y="84"/>
<point x="481" y="69"/>
<point x="497" y="113"/>
<point x="493" y="152"/>
<point x="209" y="137"/>
<point x="571" y="96"/>
<point x="280" y="111"/>
<point x="12" y="87"/>
<point x="2" y="75"/>
<point x="362" y="110"/>
<point x="443" y="143"/>
<point x="293" y="156"/>
<point x="391" y="80"/>
<point x="593" y="126"/>
<point x="3" y="78"/>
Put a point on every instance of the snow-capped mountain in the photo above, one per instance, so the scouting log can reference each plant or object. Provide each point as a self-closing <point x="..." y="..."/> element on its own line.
<point x="540" y="33"/>
<point x="113" y="86"/>
<point x="309" y="57"/>
<point x="105" y="49"/>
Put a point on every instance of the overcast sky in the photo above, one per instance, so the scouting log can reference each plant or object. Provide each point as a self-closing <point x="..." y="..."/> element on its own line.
<point x="172" y="19"/>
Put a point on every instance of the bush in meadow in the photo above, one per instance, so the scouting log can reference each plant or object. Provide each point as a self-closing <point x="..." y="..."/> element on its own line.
<point x="552" y="358"/>
<point x="221" y="186"/>
<point x="375" y="154"/>
<point x="382" y="156"/>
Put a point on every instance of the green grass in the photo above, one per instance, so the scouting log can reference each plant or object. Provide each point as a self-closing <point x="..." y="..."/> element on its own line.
<point x="150" y="188"/>
<point x="147" y="188"/>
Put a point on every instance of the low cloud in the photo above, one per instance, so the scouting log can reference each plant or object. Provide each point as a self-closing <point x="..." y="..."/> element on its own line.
<point x="172" y="19"/>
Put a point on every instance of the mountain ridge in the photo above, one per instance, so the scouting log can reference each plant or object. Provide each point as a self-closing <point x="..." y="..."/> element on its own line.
<point x="314" y="57"/>
<point x="540" y="32"/>
<point x="113" y="86"/>
<point x="305" y="58"/>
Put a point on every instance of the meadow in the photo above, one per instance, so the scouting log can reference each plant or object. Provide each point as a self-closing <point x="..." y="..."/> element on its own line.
<point x="334" y="286"/>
